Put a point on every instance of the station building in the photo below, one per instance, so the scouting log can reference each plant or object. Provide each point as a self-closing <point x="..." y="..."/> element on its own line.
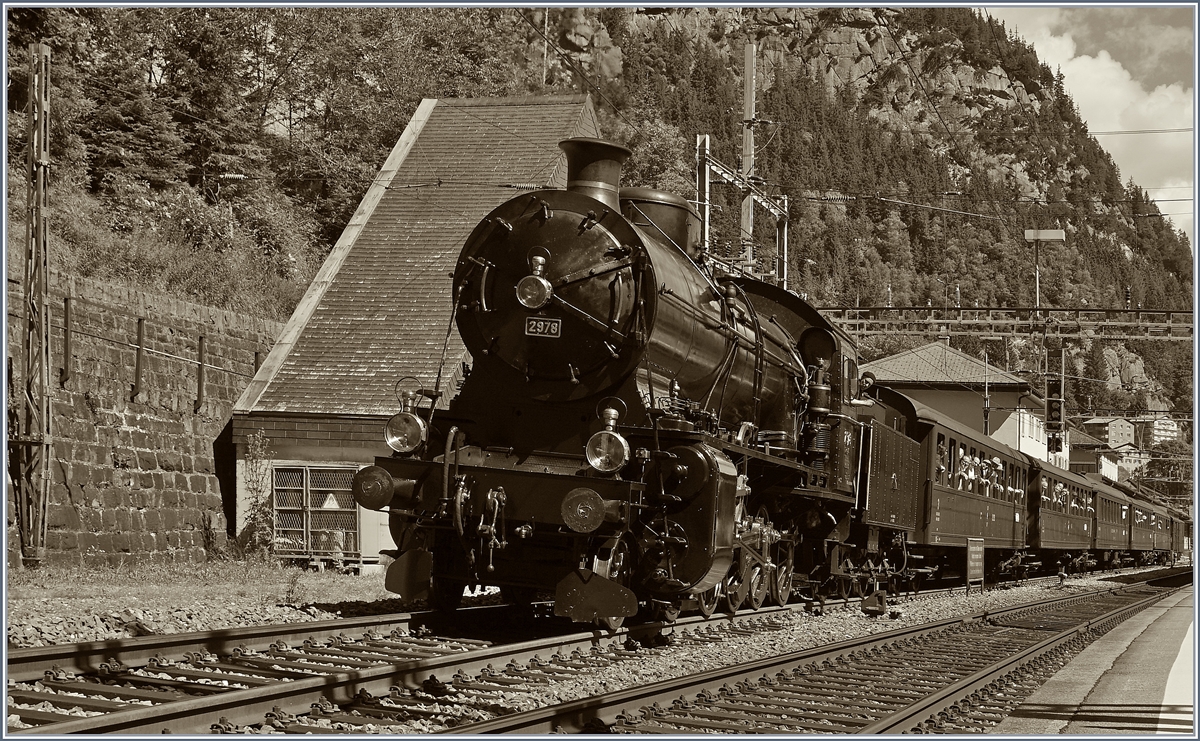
<point x="972" y="391"/>
<point x="379" y="310"/>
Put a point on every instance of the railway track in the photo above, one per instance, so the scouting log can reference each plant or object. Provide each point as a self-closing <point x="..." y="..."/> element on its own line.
<point x="365" y="674"/>
<point x="955" y="676"/>
<point x="225" y="680"/>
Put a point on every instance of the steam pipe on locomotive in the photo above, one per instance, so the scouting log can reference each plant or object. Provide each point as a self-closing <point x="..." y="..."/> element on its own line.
<point x="620" y="403"/>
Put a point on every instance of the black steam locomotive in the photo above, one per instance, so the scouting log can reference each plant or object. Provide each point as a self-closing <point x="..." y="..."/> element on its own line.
<point x="643" y="430"/>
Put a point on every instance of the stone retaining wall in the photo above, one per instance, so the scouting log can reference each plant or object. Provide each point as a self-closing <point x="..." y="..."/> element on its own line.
<point x="137" y="478"/>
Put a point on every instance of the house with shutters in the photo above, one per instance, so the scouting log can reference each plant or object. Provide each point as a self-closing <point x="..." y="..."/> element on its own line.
<point x="379" y="310"/>
<point x="979" y="395"/>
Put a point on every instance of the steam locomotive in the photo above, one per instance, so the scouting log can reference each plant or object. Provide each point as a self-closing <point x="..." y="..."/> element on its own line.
<point x="642" y="430"/>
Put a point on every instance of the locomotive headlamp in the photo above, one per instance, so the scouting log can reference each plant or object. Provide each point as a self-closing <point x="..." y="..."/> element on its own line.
<point x="534" y="291"/>
<point x="405" y="432"/>
<point x="607" y="451"/>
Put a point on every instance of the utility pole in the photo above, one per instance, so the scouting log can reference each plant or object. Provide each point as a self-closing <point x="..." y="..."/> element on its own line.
<point x="545" y="43"/>
<point x="987" y="399"/>
<point x="744" y="179"/>
<point x="747" y="168"/>
<point x="29" y="447"/>
<point x="1037" y="236"/>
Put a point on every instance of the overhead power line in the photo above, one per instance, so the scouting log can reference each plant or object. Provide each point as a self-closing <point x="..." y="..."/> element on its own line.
<point x="573" y="66"/>
<point x="1141" y="131"/>
<point x="1115" y="132"/>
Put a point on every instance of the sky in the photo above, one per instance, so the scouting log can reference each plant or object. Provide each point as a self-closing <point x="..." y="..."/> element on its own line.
<point x="1127" y="69"/>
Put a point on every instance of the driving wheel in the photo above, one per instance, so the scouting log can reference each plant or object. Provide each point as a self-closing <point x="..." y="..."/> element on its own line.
<point x="706" y="601"/>
<point x="785" y="573"/>
<point x="758" y="587"/>
<point x="731" y="590"/>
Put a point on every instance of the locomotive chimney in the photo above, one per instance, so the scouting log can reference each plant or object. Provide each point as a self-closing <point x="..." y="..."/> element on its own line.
<point x="594" y="169"/>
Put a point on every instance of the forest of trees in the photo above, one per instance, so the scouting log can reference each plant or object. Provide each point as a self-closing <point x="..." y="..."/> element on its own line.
<point x="217" y="153"/>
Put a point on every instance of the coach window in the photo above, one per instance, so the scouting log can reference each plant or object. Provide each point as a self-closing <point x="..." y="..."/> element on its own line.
<point x="972" y="471"/>
<point x="943" y="457"/>
<point x="952" y="462"/>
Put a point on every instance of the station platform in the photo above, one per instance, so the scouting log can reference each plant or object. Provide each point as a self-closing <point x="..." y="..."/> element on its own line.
<point x="1136" y="680"/>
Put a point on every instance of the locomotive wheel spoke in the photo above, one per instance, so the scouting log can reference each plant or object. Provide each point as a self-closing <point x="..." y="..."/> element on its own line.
<point x="758" y="587"/>
<point x="731" y="592"/>
<point x="843" y="587"/>
<point x="706" y="601"/>
<point x="781" y="584"/>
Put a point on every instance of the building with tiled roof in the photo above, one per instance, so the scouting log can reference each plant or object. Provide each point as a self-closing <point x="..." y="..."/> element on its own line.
<point x="969" y="389"/>
<point x="379" y="309"/>
<point x="1113" y="430"/>
<point x="1092" y="455"/>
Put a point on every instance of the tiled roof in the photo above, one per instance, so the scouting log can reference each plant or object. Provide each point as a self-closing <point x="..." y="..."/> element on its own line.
<point x="937" y="365"/>
<point x="379" y="308"/>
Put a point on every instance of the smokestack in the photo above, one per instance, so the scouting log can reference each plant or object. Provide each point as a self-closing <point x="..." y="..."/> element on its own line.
<point x="594" y="169"/>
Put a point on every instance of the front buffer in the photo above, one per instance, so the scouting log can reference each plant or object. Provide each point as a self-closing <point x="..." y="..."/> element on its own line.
<point x="482" y="518"/>
<point x="600" y="545"/>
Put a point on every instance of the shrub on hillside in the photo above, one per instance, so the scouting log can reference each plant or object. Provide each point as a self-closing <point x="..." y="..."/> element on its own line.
<point x="256" y="258"/>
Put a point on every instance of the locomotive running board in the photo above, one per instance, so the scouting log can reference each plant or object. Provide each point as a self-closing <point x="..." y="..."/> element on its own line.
<point x="583" y="596"/>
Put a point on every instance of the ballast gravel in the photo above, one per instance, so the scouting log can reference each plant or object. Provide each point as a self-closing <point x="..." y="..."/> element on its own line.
<point x="797" y="631"/>
<point x="42" y="622"/>
<point x="48" y="621"/>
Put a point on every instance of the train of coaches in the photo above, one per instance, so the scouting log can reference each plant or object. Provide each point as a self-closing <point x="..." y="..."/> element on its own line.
<point x="642" y="429"/>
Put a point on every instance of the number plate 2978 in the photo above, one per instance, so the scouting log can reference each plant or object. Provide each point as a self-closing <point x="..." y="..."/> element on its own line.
<point x="536" y="326"/>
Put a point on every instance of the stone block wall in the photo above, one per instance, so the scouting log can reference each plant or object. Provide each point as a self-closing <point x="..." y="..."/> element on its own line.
<point x="136" y="477"/>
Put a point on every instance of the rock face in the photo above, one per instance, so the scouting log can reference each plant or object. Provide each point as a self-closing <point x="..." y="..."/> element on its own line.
<point x="924" y="83"/>
<point x="866" y="49"/>
<point x="1126" y="369"/>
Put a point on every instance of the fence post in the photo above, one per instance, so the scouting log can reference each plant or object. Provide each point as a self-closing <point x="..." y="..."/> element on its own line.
<point x="200" y="379"/>
<point x="137" y="360"/>
<point x="64" y="374"/>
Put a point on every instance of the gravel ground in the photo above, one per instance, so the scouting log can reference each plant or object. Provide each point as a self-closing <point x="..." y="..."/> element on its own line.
<point x="54" y="605"/>
<point x="51" y="606"/>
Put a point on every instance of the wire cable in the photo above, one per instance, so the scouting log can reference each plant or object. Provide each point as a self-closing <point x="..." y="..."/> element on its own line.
<point x="582" y="76"/>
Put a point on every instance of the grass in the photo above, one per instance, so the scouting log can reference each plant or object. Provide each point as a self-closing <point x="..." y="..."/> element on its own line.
<point x="151" y="585"/>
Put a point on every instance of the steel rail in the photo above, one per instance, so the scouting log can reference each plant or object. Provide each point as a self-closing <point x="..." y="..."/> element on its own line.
<point x="244" y="707"/>
<point x="580" y="716"/>
<point x="941" y="701"/>
<point x="29" y="664"/>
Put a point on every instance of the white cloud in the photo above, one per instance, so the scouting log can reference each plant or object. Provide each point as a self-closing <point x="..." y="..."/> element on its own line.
<point x="1110" y="99"/>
